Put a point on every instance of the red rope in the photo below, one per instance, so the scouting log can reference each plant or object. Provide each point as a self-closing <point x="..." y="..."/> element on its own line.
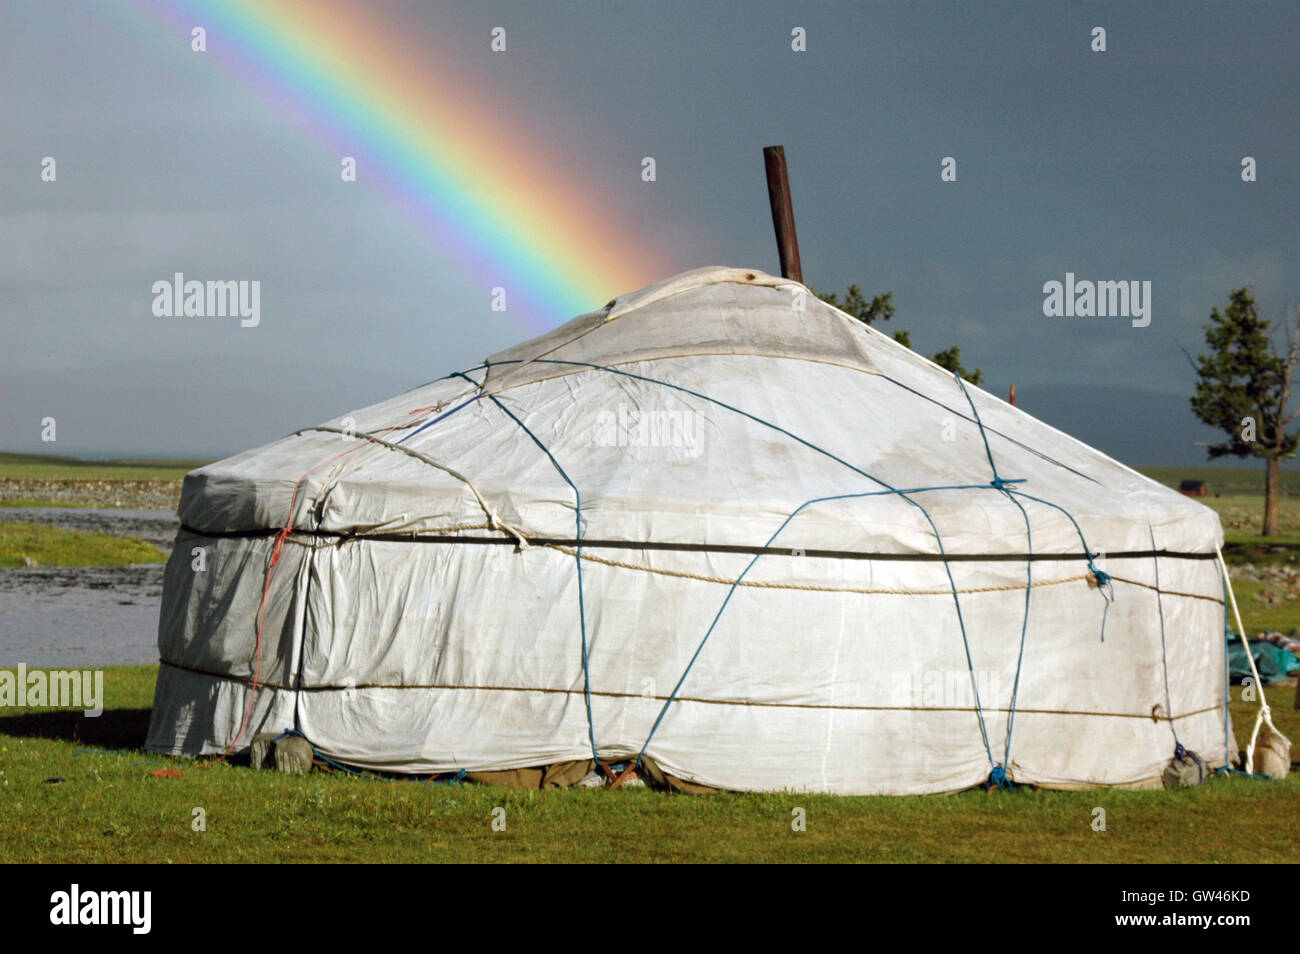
<point x="276" y="551"/>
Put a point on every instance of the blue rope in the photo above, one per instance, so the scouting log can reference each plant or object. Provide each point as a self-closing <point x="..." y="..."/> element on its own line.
<point x="317" y="753"/>
<point x="998" y="772"/>
<point x="1181" y="753"/>
<point x="998" y="776"/>
<point x="447" y="414"/>
<point x="758" y="420"/>
<point x="1103" y="579"/>
<point x="586" y="673"/>
<point x="1229" y="770"/>
<point x="582" y="605"/>
<point x="581" y="599"/>
<point x="731" y="589"/>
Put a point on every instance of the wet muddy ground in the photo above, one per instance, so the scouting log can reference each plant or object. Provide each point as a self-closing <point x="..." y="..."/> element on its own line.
<point x="84" y="616"/>
<point x="153" y="526"/>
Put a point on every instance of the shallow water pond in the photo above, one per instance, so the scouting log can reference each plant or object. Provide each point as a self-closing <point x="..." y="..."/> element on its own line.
<point x="84" y="616"/>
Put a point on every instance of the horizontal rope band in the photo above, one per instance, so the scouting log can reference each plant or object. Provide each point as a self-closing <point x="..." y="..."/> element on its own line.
<point x="871" y="591"/>
<point x="261" y="684"/>
<point x="347" y="536"/>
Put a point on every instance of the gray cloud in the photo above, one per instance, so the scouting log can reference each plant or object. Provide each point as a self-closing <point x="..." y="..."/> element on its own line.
<point x="1114" y="165"/>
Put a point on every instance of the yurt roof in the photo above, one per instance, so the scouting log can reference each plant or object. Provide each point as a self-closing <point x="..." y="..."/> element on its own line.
<point x="786" y="401"/>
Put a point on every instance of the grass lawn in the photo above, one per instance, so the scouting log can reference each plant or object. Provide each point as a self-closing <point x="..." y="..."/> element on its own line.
<point x="1261" y="617"/>
<point x="49" y="467"/>
<point x="32" y="502"/>
<point x="112" y="808"/>
<point x="37" y="480"/>
<point x="52" y="546"/>
<point x="1229" y="481"/>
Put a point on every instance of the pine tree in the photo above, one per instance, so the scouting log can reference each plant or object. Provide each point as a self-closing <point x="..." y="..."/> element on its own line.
<point x="1243" y="388"/>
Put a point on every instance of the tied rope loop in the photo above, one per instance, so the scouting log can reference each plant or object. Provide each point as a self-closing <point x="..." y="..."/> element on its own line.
<point x="1104" y="585"/>
<point x="277" y="550"/>
<point x="1106" y="588"/>
<point x="998" y="779"/>
<point x="1264" y="716"/>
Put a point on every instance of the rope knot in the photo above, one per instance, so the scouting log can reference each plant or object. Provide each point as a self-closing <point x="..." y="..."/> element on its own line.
<point x="499" y="525"/>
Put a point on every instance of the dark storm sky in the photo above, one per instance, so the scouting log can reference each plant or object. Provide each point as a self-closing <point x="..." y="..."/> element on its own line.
<point x="1117" y="165"/>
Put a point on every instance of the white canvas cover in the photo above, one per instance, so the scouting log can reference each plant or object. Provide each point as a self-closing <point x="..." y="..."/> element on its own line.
<point x="430" y="612"/>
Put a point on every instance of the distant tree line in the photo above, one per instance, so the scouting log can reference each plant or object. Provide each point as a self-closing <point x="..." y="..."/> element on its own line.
<point x="881" y="308"/>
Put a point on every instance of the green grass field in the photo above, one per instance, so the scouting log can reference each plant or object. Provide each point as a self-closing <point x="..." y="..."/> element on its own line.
<point x="50" y="467"/>
<point x="111" y="807"/>
<point x="38" y="480"/>
<point x="1229" y="481"/>
<point x="51" y="546"/>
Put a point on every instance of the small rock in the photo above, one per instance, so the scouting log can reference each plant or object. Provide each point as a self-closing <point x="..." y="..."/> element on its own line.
<point x="293" y="755"/>
<point x="259" y="753"/>
<point x="1185" y="772"/>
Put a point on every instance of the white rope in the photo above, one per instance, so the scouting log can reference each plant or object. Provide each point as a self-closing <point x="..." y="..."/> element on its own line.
<point x="1265" y="715"/>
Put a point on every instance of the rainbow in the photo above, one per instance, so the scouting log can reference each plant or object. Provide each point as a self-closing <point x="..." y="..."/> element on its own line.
<point x="471" y="181"/>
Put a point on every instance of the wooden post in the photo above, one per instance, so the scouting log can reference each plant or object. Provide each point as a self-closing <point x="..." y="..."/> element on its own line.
<point x="1013" y="395"/>
<point x="778" y="193"/>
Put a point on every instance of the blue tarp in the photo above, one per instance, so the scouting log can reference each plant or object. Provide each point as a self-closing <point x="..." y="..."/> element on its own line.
<point x="1273" y="662"/>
